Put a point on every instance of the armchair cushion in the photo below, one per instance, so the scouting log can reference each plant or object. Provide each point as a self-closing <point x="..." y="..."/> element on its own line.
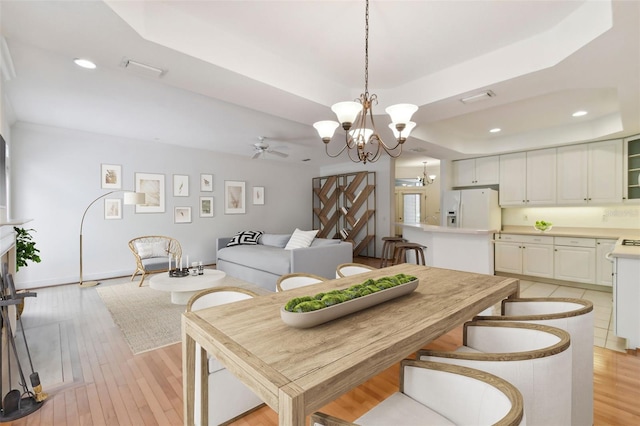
<point x="245" y="238"/>
<point x="152" y="249"/>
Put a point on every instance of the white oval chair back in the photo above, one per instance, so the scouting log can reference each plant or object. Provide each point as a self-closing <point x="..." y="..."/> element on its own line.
<point x="534" y="358"/>
<point x="574" y="316"/>
<point x="440" y="394"/>
<point x="228" y="397"/>
<point x="296" y="280"/>
<point x="348" y="269"/>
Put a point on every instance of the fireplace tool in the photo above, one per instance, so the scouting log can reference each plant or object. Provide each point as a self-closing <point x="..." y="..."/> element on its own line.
<point x="15" y="404"/>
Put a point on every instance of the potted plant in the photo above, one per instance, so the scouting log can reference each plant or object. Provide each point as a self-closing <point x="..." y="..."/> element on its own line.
<point x="25" y="247"/>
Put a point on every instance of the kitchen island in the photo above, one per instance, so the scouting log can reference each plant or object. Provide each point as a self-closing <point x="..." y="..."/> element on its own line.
<point x="469" y="250"/>
<point x="626" y="292"/>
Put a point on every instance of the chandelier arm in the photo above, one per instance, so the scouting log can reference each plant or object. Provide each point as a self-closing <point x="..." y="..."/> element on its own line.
<point x="326" y="149"/>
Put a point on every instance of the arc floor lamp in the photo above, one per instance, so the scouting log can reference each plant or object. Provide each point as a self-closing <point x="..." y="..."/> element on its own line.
<point x="130" y="197"/>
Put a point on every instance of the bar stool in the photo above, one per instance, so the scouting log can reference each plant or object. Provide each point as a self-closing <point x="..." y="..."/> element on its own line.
<point x="388" y="249"/>
<point x="401" y="249"/>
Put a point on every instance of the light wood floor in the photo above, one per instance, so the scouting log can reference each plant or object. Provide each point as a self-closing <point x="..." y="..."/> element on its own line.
<point x="107" y="385"/>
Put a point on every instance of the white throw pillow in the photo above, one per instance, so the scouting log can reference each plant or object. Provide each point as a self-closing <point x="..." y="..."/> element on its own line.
<point x="156" y="249"/>
<point x="301" y="239"/>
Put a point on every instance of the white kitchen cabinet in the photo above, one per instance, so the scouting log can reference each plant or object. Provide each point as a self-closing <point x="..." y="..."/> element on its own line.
<point x="508" y="257"/>
<point x="524" y="254"/>
<point x="590" y="173"/>
<point x="605" y="172"/>
<point x="604" y="266"/>
<point x="476" y="171"/>
<point x="575" y="259"/>
<point x="528" y="178"/>
<point x="573" y="162"/>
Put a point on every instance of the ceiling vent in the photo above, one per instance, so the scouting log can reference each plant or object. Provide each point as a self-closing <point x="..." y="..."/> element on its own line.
<point x="142" y="69"/>
<point x="478" y="97"/>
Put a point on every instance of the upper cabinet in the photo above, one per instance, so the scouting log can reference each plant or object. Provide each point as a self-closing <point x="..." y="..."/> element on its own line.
<point x="632" y="168"/>
<point x="476" y="171"/>
<point x="528" y="178"/>
<point x="590" y="173"/>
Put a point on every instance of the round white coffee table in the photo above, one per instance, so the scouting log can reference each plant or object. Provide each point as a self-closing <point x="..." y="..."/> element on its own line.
<point x="184" y="287"/>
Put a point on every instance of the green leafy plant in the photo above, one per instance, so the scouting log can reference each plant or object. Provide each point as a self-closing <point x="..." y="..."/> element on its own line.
<point x="25" y="247"/>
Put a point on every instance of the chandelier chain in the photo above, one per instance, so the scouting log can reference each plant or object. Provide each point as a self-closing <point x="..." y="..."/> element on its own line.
<point x="366" y="49"/>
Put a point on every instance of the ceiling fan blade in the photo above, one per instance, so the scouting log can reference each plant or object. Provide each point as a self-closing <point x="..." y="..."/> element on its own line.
<point x="256" y="155"/>
<point x="280" y="154"/>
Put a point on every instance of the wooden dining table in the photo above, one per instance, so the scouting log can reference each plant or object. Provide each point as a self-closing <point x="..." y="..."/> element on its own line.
<point x="297" y="371"/>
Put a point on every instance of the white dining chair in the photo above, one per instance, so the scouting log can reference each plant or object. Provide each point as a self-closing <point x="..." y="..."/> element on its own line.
<point x="228" y="398"/>
<point x="348" y="269"/>
<point x="297" y="279"/>
<point x="575" y="316"/>
<point x="440" y="394"/>
<point x="534" y="358"/>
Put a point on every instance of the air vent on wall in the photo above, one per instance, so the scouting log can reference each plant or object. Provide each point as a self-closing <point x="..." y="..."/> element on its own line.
<point x="143" y="69"/>
<point x="478" y="97"/>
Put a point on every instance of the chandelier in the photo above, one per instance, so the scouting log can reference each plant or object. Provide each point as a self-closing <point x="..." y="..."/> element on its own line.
<point x="425" y="180"/>
<point x="362" y="141"/>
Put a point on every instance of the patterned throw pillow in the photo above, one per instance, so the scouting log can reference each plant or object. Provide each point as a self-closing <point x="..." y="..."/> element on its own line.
<point x="245" y="238"/>
<point x="301" y="239"/>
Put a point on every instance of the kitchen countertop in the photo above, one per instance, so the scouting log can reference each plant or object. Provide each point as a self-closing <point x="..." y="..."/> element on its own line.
<point x="619" y="234"/>
<point x="448" y="230"/>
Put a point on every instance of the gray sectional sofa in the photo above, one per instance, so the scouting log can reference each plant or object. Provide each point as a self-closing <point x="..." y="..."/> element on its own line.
<point x="262" y="264"/>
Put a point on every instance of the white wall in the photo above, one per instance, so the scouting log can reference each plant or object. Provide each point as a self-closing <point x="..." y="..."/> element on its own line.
<point x="615" y="216"/>
<point x="56" y="174"/>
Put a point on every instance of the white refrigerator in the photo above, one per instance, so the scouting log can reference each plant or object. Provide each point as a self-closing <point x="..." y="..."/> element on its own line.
<point x="472" y="209"/>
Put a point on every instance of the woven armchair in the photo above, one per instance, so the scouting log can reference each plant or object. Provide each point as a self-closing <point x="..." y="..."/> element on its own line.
<point x="152" y="254"/>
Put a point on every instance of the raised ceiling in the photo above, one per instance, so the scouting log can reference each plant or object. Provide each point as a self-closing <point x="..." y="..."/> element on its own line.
<point x="236" y="70"/>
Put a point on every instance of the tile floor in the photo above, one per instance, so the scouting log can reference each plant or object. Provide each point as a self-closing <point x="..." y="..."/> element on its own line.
<point x="604" y="335"/>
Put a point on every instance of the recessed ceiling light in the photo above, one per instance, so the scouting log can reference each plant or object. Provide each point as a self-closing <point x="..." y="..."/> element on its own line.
<point x="579" y="113"/>
<point x="84" y="63"/>
<point x="495" y="130"/>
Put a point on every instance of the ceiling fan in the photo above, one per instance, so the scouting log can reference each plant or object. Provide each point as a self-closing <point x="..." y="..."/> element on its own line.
<point x="262" y="148"/>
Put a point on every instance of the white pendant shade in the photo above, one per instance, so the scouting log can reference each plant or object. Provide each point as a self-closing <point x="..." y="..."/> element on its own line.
<point x="361" y="134"/>
<point x="405" y="133"/>
<point x="401" y="113"/>
<point x="347" y="111"/>
<point x="326" y="128"/>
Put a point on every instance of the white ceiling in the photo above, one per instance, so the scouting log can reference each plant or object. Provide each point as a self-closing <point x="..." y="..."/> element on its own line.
<point x="236" y="70"/>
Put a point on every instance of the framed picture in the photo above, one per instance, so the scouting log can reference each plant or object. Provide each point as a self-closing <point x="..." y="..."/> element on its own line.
<point x="206" y="206"/>
<point x="182" y="215"/>
<point x="206" y="183"/>
<point x="110" y="176"/>
<point x="180" y="185"/>
<point x="258" y="195"/>
<point x="152" y="185"/>
<point x="112" y="208"/>
<point x="234" y="197"/>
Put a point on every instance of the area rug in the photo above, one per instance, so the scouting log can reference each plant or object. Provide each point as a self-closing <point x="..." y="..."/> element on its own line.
<point x="147" y="318"/>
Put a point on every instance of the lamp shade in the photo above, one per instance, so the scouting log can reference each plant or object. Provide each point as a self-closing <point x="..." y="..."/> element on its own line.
<point x="134" y="198"/>
<point x="401" y="113"/>
<point x="361" y="134"/>
<point x="347" y="111"/>
<point x="326" y="128"/>
<point x="405" y="132"/>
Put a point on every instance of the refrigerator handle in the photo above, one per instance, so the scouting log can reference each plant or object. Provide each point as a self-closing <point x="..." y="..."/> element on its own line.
<point x="460" y="213"/>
